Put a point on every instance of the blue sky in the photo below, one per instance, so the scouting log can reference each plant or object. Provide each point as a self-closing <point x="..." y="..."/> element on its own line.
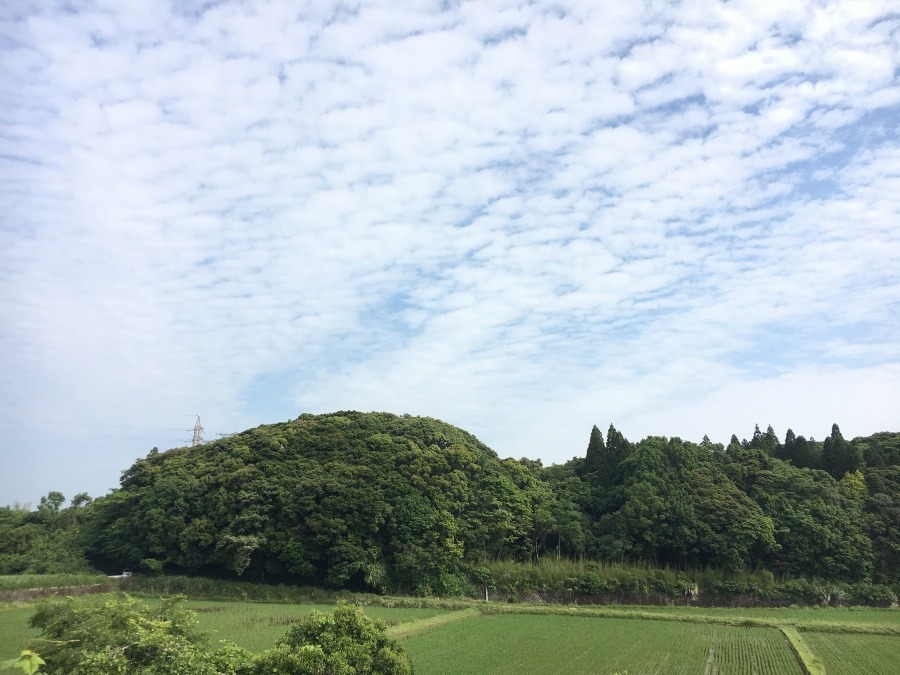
<point x="521" y="218"/>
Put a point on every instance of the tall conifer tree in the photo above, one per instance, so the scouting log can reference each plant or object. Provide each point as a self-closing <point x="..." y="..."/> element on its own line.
<point x="595" y="451"/>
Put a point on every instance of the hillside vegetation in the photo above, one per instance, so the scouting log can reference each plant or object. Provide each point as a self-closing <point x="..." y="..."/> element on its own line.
<point x="386" y="503"/>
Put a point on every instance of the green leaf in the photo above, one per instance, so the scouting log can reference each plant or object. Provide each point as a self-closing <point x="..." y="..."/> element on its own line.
<point x="28" y="662"/>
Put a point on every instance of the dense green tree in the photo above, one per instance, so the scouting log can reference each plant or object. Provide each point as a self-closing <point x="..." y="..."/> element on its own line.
<point x="81" y="499"/>
<point x="44" y="541"/>
<point x="617" y="449"/>
<point x="819" y="531"/>
<point x="596" y="449"/>
<point x="571" y="535"/>
<point x="879" y="450"/>
<point x="49" y="506"/>
<point x="767" y="442"/>
<point x="838" y="456"/>
<point x="680" y="508"/>
<point x="373" y="501"/>
<point x="798" y="451"/>
<point x="348" y="500"/>
<point x="883" y="507"/>
<point x="788" y="449"/>
<point x="804" y="454"/>
<point x="732" y="531"/>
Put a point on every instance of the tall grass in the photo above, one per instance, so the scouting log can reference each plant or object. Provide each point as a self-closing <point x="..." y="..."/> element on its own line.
<point x="220" y="589"/>
<point x="16" y="582"/>
<point x="562" y="581"/>
<point x="243" y="591"/>
<point x="606" y="582"/>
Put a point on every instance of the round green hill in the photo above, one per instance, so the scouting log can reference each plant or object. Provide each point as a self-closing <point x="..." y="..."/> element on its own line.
<point x="352" y="500"/>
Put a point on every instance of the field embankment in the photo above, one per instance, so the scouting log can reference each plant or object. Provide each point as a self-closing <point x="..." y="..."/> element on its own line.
<point x="22" y="587"/>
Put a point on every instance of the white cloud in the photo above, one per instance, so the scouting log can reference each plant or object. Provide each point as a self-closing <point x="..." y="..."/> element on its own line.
<point x="680" y="218"/>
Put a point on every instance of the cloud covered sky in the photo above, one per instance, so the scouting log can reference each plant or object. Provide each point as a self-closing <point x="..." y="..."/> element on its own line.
<point x="521" y="218"/>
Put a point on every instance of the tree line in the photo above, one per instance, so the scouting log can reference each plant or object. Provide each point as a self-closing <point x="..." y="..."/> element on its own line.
<point x="375" y="501"/>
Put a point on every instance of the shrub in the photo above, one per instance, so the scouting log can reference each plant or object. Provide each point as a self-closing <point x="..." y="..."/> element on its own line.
<point x="669" y="583"/>
<point x="801" y="590"/>
<point x="346" y="642"/>
<point x="127" y="636"/>
<point x="871" y="594"/>
<point x="119" y="636"/>
<point x="590" y="583"/>
<point x="151" y="566"/>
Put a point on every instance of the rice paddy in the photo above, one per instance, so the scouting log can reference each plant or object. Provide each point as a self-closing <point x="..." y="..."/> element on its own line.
<point x="553" y="639"/>
<point x="516" y="643"/>
<point x="850" y="654"/>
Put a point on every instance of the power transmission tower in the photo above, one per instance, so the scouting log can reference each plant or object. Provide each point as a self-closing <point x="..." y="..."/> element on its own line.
<point x="198" y="433"/>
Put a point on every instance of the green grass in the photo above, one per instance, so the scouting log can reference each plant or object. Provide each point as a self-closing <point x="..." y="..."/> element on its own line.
<point x="14" y="630"/>
<point x="738" y="620"/>
<point x="519" y="643"/>
<point x="833" y="614"/>
<point x="811" y="662"/>
<point x="251" y="625"/>
<point x="429" y="623"/>
<point x="257" y="626"/>
<point x="17" y="582"/>
<point x="856" y="654"/>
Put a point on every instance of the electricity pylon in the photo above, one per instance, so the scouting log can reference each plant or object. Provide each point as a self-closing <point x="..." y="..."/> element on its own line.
<point x="198" y="433"/>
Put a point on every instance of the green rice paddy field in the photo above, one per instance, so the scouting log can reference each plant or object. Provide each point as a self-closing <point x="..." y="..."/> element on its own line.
<point x="554" y="644"/>
<point x="551" y="639"/>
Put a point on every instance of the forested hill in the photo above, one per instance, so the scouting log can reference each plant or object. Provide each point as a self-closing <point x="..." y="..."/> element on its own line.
<point x="386" y="502"/>
<point x="346" y="499"/>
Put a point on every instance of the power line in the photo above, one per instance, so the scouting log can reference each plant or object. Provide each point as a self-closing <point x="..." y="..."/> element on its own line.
<point x="141" y="438"/>
<point x="126" y="426"/>
<point x="105" y="426"/>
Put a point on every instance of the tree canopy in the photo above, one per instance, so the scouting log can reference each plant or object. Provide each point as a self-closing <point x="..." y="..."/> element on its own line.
<point x="375" y="501"/>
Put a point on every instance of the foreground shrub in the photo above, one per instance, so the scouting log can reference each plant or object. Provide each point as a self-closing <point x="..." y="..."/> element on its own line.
<point x="346" y="642"/>
<point x="128" y="636"/>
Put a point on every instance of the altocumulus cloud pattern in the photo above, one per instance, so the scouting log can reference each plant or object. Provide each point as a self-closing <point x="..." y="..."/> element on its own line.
<point x="523" y="218"/>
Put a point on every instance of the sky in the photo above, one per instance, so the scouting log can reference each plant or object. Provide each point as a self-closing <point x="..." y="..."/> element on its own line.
<point x="522" y="218"/>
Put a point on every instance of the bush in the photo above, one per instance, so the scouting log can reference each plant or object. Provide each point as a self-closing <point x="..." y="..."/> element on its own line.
<point x="803" y="591"/>
<point x="151" y="566"/>
<point x="728" y="587"/>
<point x="346" y="642"/>
<point x="590" y="583"/>
<point x="667" y="582"/>
<point x="127" y="636"/>
<point x="871" y="594"/>
<point x="118" y="636"/>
